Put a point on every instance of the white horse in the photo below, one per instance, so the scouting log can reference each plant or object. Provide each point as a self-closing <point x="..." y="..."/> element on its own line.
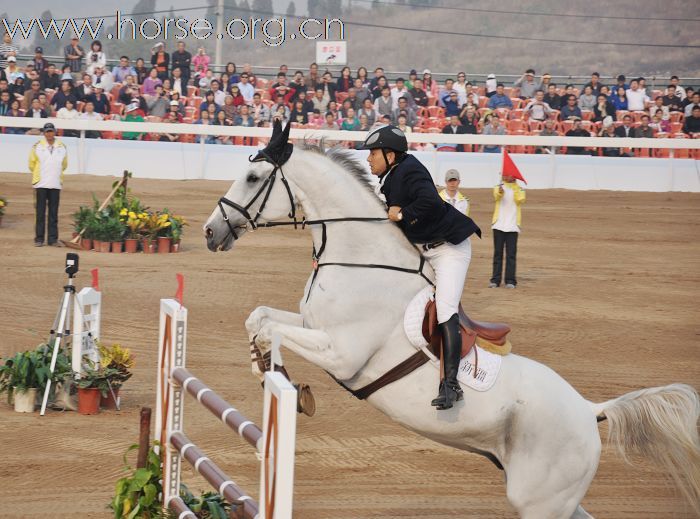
<point x="532" y="423"/>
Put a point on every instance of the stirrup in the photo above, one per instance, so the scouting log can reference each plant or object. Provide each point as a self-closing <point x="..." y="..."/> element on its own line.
<point x="453" y="393"/>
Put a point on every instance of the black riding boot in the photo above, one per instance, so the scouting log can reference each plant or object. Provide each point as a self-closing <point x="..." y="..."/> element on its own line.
<point x="450" y="390"/>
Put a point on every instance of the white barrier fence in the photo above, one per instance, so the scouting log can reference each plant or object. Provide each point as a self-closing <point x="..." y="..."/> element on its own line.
<point x="274" y="444"/>
<point x="183" y="161"/>
<point x="86" y="327"/>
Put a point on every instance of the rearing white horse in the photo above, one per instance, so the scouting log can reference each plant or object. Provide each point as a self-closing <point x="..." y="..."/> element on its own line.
<point x="536" y="426"/>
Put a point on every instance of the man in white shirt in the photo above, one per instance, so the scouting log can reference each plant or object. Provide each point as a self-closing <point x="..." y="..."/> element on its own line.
<point x="637" y="98"/>
<point x="103" y="78"/>
<point x="246" y="88"/>
<point x="400" y="91"/>
<point x="219" y="95"/>
<point x="47" y="162"/>
<point x="509" y="196"/>
<point x="537" y="108"/>
<point x="451" y="193"/>
<point x="89" y="114"/>
<point x="7" y="49"/>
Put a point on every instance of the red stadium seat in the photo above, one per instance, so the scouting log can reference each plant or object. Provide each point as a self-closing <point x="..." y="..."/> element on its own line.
<point x="436" y="111"/>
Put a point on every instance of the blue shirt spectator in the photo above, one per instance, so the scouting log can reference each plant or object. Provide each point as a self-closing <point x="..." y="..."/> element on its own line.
<point x="500" y="99"/>
<point x="452" y="104"/>
<point x="570" y="109"/>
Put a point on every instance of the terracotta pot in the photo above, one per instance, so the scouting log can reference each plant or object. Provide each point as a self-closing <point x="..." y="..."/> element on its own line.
<point x="96" y="245"/>
<point x="25" y="400"/>
<point x="89" y="400"/>
<point x="117" y="246"/>
<point x="131" y="245"/>
<point x="105" y="246"/>
<point x="163" y="244"/>
<point x="148" y="246"/>
<point x="175" y="247"/>
<point x="107" y="402"/>
<point x="86" y="244"/>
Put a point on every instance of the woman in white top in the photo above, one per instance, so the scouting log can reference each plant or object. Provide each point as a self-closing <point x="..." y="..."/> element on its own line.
<point x="69" y="112"/>
<point x="95" y="58"/>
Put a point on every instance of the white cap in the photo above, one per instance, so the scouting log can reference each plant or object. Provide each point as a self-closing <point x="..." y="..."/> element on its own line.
<point x="427" y="71"/>
<point x="174" y="103"/>
<point x="132" y="106"/>
<point x="491" y="76"/>
<point x="451" y="174"/>
<point x="11" y="58"/>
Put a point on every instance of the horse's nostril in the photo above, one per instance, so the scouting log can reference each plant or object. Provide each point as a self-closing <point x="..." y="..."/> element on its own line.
<point x="208" y="232"/>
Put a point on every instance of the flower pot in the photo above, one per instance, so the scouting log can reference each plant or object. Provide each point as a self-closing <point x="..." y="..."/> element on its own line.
<point x="96" y="245"/>
<point x="148" y="246"/>
<point x="175" y="247"/>
<point x="131" y="245"/>
<point x="163" y="244"/>
<point x="107" y="402"/>
<point x="88" y="400"/>
<point x="86" y="244"/>
<point x="105" y="246"/>
<point x="25" y="400"/>
<point x="117" y="246"/>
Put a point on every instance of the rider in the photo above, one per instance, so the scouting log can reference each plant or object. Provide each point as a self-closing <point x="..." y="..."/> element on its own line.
<point x="437" y="228"/>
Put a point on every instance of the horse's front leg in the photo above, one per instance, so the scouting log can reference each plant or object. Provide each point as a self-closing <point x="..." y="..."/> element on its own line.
<point x="259" y="352"/>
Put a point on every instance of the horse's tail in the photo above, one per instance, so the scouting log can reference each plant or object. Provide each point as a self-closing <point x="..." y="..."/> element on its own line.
<point x="660" y="424"/>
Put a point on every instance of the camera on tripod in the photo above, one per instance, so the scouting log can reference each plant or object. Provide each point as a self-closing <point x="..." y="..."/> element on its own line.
<point x="71" y="264"/>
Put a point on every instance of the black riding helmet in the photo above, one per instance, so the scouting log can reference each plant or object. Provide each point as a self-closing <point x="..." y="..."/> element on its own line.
<point x="387" y="137"/>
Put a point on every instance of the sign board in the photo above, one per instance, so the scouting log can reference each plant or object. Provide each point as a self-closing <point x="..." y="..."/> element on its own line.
<point x="331" y="52"/>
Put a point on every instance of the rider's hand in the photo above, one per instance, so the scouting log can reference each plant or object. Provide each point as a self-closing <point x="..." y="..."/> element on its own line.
<point x="500" y="189"/>
<point x="394" y="211"/>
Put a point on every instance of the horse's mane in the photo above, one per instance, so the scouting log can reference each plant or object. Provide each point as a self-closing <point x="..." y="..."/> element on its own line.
<point x="343" y="157"/>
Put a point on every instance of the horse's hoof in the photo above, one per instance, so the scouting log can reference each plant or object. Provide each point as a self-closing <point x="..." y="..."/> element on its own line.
<point x="306" y="403"/>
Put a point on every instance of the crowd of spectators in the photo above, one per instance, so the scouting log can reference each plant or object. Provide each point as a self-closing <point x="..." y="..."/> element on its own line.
<point x="178" y="87"/>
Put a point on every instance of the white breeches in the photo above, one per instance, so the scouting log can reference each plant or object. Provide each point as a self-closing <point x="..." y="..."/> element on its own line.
<point x="450" y="263"/>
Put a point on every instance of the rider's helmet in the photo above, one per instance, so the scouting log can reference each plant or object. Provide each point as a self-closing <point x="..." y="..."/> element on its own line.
<point x="387" y="137"/>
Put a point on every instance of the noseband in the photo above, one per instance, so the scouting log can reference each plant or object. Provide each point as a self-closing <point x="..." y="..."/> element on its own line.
<point x="269" y="183"/>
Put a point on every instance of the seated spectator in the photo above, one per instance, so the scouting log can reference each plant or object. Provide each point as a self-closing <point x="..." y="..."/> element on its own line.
<point x="659" y="124"/>
<point x="469" y="118"/>
<point x="39" y="61"/>
<point x="362" y="93"/>
<point x="603" y="109"/>
<point x="472" y="98"/>
<point x="384" y="105"/>
<point x="644" y="130"/>
<point x="528" y="85"/>
<point x="45" y="105"/>
<point x="70" y="113"/>
<point x="429" y="84"/>
<point x="545" y="82"/>
<point x="119" y="72"/>
<point x="537" y="109"/>
<point x="141" y="71"/>
<point x="451" y="104"/>
<point x="31" y="94"/>
<point x="221" y="120"/>
<point x="230" y="109"/>
<point x="378" y="87"/>
<point x="178" y="82"/>
<point x="4" y="102"/>
<point x="626" y="129"/>
<point x="500" y="99"/>
<point x="246" y="88"/>
<point x="680" y="92"/>
<point x="455" y="128"/>
<point x="208" y="77"/>
<point x="260" y="112"/>
<point x="149" y="84"/>
<point x="412" y="77"/>
<point x="446" y="92"/>
<point x="12" y="71"/>
<point x="692" y="123"/>
<point x="133" y="115"/>
<point x="689" y="97"/>
<point x="329" y="123"/>
<point x="552" y="98"/>
<point x="577" y="131"/>
<point x="548" y="131"/>
<point x="328" y="86"/>
<point x="103" y="78"/>
<point x="671" y="100"/>
<point x="350" y="122"/>
<point x="619" y="98"/>
<point x="174" y="112"/>
<point x="14" y="110"/>
<point x="35" y="111"/>
<point x="320" y="101"/>
<point x="364" y="126"/>
<point x="209" y="100"/>
<point x="594" y="84"/>
<point x="83" y="91"/>
<point x="608" y="130"/>
<point x="621" y="83"/>
<point x="244" y="118"/>
<point x="95" y="57"/>
<point x="50" y="78"/>
<point x="280" y="113"/>
<point x="306" y="102"/>
<point x="235" y="93"/>
<point x="402" y="124"/>
<point x="167" y="136"/>
<point x="695" y="101"/>
<point x="399" y="91"/>
<point x="219" y="95"/>
<point x="158" y="105"/>
<point x="587" y="100"/>
<point x="232" y="75"/>
<point x="352" y="98"/>
<point x="637" y="99"/>
<point x="100" y="101"/>
<point x="17" y="88"/>
<point x="462" y="87"/>
<point x="382" y="121"/>
<point x="66" y="74"/>
<point x="368" y="111"/>
<point x="206" y="121"/>
<point x="89" y="114"/>
<point x="570" y="110"/>
<point x="491" y="85"/>
<point x="420" y="96"/>
<point x="59" y="99"/>
<point x="493" y="127"/>
<point x="299" y="114"/>
<point x="659" y="107"/>
<point x="411" y="118"/>
<point x="345" y="80"/>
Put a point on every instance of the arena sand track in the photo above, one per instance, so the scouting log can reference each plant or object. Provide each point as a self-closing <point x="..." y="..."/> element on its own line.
<point x="608" y="297"/>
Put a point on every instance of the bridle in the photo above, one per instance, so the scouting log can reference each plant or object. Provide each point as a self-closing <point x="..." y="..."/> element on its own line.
<point x="269" y="183"/>
<point x="316" y="254"/>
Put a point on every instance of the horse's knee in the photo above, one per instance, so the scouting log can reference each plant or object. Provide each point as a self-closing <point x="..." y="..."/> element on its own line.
<point x="255" y="321"/>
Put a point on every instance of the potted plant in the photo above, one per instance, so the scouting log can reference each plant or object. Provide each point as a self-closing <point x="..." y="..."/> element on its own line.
<point x="164" y="232"/>
<point x="93" y="383"/>
<point x="3" y="205"/>
<point x="134" y="226"/>
<point x="176" y="225"/>
<point x="151" y="228"/>
<point x="120" y="361"/>
<point x="115" y="233"/>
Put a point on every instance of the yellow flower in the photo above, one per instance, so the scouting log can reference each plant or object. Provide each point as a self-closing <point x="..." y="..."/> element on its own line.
<point x="123" y="212"/>
<point x="2" y="204"/>
<point x="132" y="214"/>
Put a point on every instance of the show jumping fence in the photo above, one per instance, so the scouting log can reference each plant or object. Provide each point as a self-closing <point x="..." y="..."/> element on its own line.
<point x="274" y="444"/>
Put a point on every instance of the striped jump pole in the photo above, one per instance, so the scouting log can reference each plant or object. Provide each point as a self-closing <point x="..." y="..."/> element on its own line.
<point x="274" y="444"/>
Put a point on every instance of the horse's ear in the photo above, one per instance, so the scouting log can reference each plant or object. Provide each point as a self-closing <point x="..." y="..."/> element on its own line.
<point x="276" y="129"/>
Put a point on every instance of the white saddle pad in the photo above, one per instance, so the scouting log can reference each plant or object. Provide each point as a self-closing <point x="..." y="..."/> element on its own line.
<point x="488" y="364"/>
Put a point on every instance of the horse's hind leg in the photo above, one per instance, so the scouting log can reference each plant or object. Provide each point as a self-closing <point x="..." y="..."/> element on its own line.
<point x="580" y="513"/>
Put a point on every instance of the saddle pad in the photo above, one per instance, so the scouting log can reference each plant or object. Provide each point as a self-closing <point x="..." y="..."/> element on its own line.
<point x="488" y="364"/>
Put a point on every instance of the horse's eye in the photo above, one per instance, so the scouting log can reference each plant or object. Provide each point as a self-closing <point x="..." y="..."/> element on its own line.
<point x="252" y="178"/>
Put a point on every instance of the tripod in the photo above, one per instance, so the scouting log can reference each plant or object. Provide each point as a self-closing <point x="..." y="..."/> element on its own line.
<point x="61" y="326"/>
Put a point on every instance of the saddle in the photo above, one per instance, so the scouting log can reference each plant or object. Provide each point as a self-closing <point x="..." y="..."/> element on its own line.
<point x="490" y="336"/>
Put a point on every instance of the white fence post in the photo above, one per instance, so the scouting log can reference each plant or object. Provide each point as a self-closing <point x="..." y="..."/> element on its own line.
<point x="86" y="326"/>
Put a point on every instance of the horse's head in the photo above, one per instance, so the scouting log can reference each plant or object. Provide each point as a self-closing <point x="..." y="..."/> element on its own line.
<point x="262" y="195"/>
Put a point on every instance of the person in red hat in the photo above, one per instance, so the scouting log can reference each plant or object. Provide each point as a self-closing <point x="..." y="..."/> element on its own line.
<point x="506" y="221"/>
